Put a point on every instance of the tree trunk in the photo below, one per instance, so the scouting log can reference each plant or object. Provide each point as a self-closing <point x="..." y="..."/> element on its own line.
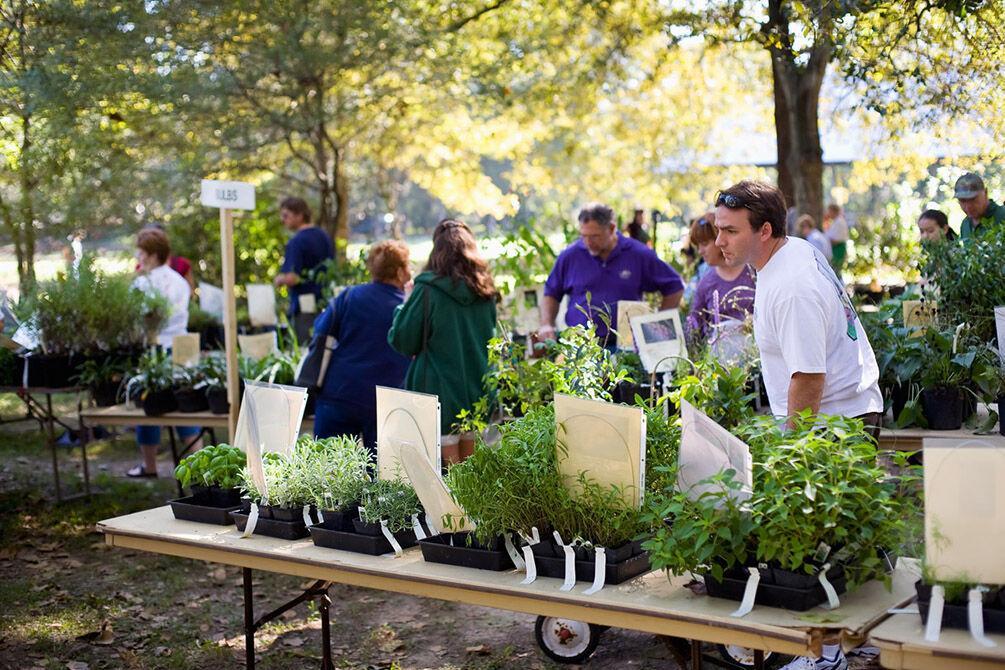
<point x="341" y="228"/>
<point x="783" y="141"/>
<point x="389" y="188"/>
<point x="24" y="243"/>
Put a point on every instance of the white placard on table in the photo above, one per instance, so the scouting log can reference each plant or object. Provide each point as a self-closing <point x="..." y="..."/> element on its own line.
<point x="185" y="349"/>
<point x="270" y="419"/>
<point x="707" y="449"/>
<point x="626" y="310"/>
<point x="211" y="299"/>
<point x="227" y="194"/>
<point x="659" y="339"/>
<point x="523" y="306"/>
<point x="406" y="419"/>
<point x="257" y="347"/>
<point x="433" y="494"/>
<point x="965" y="510"/>
<point x="261" y="304"/>
<point x="308" y="303"/>
<point x="1000" y="330"/>
<point x="605" y="440"/>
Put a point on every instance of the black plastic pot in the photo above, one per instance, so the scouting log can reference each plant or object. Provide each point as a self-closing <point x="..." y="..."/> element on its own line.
<point x="798" y="599"/>
<point x="285" y="530"/>
<point x="943" y="408"/>
<point x="1001" y="417"/>
<point x="366" y="528"/>
<point x="191" y="400"/>
<point x="954" y="614"/>
<point x="899" y="395"/>
<point x="216" y="398"/>
<point x="374" y="545"/>
<point x="287" y="513"/>
<point x="340" y="519"/>
<point x="156" y="403"/>
<point x="453" y="549"/>
<point x="190" y="509"/>
<point x="45" y="371"/>
<point x="616" y="573"/>
<point x="546" y="547"/>
<point x="105" y="394"/>
<point x="216" y="496"/>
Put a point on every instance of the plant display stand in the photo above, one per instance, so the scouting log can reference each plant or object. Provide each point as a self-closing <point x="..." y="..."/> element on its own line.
<point x="901" y="642"/>
<point x="651" y="603"/>
<point x="38" y="404"/>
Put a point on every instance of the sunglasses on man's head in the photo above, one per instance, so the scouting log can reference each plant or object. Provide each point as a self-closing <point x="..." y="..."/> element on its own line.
<point x="730" y="201"/>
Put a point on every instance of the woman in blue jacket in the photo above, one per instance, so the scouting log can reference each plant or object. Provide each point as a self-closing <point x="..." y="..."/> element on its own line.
<point x="359" y="319"/>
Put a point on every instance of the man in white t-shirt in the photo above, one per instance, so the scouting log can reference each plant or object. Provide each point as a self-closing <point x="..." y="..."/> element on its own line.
<point x="814" y="351"/>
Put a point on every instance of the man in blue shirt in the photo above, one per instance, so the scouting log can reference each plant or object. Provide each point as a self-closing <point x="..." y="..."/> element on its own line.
<point x="600" y="269"/>
<point x="308" y="248"/>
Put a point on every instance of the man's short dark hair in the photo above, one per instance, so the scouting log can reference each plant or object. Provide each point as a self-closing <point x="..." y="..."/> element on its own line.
<point x="600" y="214"/>
<point x="764" y="202"/>
<point x="297" y="206"/>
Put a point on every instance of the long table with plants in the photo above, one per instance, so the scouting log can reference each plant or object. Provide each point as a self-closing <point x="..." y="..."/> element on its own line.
<point x="650" y="603"/>
<point x="902" y="646"/>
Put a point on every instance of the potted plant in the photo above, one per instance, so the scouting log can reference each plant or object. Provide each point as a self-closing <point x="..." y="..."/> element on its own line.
<point x="944" y="372"/>
<point x="213" y="474"/>
<point x="956" y="593"/>
<point x="103" y="375"/>
<point x="190" y="389"/>
<point x="338" y="471"/>
<point x="390" y="504"/>
<point x="153" y="383"/>
<point x="284" y="507"/>
<point x="208" y="326"/>
<point x="213" y="370"/>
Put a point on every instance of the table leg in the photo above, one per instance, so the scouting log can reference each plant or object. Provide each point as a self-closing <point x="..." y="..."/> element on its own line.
<point x="174" y="457"/>
<point x="695" y="654"/>
<point x="50" y="432"/>
<point x="249" y="620"/>
<point x="324" y="602"/>
<point x="83" y="445"/>
<point x="758" y="659"/>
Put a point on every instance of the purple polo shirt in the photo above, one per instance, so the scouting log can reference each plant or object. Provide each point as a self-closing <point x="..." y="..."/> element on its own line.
<point x="631" y="270"/>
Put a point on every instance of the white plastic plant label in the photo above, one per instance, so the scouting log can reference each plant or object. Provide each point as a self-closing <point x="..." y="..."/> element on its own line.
<point x="833" y="602"/>
<point x="570" y="568"/>
<point x="529" y="564"/>
<point x="249" y="528"/>
<point x="1000" y="330"/>
<point x="749" y="594"/>
<point x="391" y="539"/>
<point x="965" y="510"/>
<point x="417" y="528"/>
<point x="406" y="420"/>
<point x="599" y="571"/>
<point x="307" y="516"/>
<point x="707" y="449"/>
<point x="261" y="304"/>
<point x="933" y="626"/>
<point x="975" y="617"/>
<point x="513" y="555"/>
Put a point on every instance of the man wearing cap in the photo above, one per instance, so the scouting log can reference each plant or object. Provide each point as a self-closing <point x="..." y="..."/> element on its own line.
<point x="600" y="269"/>
<point x="983" y="214"/>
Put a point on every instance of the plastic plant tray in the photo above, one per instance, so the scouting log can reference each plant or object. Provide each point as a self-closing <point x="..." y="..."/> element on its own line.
<point x="374" y="545"/>
<point x="775" y="595"/>
<point x="284" y="530"/>
<point x="187" y="509"/>
<point x="437" y="549"/>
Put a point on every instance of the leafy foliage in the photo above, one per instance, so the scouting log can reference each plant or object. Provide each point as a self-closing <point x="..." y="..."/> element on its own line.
<point x="393" y="501"/>
<point x="970" y="281"/>
<point x="218" y="465"/>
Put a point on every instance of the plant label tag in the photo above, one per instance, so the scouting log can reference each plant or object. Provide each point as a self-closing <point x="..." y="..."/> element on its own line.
<point x="933" y="627"/>
<point x="513" y="555"/>
<point x="26" y="336"/>
<point x="599" y="572"/>
<point x="975" y="617"/>
<point x="227" y="194"/>
<point x="307" y="516"/>
<point x="528" y="562"/>
<point x="185" y="349"/>
<point x="391" y="539"/>
<point x="261" y="304"/>
<point x="823" y="551"/>
<point x="1000" y="331"/>
<point x="918" y="315"/>
<point x="308" y="303"/>
<point x="417" y="528"/>
<point x="570" y="568"/>
<point x="749" y="594"/>
<point x="249" y="528"/>
<point x="832" y="597"/>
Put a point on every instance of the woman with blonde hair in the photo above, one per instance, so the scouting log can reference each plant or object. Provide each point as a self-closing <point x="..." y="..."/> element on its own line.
<point x="447" y="322"/>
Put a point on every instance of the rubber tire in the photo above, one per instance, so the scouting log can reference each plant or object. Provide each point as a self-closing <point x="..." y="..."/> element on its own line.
<point x="581" y="653"/>
<point x="771" y="659"/>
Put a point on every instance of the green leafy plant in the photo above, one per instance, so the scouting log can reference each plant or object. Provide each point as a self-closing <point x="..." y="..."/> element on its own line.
<point x="337" y="471"/>
<point x="104" y="369"/>
<point x="716" y="390"/>
<point x="393" y="501"/>
<point x="218" y="465"/>
<point x="155" y="372"/>
<point x="970" y="281"/>
<point x="213" y="370"/>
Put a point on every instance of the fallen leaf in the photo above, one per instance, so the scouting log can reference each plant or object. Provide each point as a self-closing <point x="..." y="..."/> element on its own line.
<point x="481" y="650"/>
<point x="102" y="636"/>
<point x="162" y="651"/>
<point x="77" y="665"/>
<point x="294" y="641"/>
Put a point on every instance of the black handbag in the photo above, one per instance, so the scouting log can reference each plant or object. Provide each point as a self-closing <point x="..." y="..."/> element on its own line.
<point x="314" y="365"/>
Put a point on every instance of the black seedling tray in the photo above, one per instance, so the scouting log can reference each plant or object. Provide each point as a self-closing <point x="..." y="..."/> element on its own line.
<point x="284" y="530"/>
<point x="437" y="549"/>
<point x="374" y="545"/>
<point x="187" y="509"/>
<point x="774" y="595"/>
<point x="956" y="616"/>
<point x="616" y="573"/>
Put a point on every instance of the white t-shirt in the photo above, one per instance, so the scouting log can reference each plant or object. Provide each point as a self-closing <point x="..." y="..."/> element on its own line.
<point x="837" y="231"/>
<point x="804" y="322"/>
<point x="172" y="286"/>
<point x="820" y="241"/>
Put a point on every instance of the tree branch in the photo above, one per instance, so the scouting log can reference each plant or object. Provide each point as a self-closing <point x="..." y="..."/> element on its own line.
<point x="460" y="23"/>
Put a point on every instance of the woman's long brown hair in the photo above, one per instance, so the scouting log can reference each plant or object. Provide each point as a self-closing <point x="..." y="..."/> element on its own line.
<point x="455" y="255"/>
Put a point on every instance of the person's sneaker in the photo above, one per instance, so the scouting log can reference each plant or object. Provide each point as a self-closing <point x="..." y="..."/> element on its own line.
<point x="823" y="663"/>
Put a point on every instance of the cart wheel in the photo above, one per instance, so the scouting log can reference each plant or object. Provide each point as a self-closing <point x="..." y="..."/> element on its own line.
<point x="566" y="640"/>
<point x="736" y="656"/>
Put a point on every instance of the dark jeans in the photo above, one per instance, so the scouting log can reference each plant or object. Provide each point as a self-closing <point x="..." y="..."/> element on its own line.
<point x="335" y="418"/>
<point x="873" y="423"/>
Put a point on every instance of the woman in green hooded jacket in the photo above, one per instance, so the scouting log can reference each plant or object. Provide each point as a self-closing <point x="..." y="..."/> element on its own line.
<point x="446" y="323"/>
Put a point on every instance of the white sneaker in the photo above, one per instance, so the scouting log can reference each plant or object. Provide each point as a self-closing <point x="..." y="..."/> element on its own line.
<point x="823" y="663"/>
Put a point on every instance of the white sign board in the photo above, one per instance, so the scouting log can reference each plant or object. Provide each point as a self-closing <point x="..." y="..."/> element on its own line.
<point x="659" y="339"/>
<point x="211" y="299"/>
<point x="1000" y="328"/>
<point x="257" y="347"/>
<point x="228" y="194"/>
<point x="706" y="449"/>
<point x="433" y="494"/>
<point x="185" y="349"/>
<point x="626" y="310"/>
<point x="406" y="420"/>
<point x="604" y="440"/>
<point x="965" y="510"/>
<point x="261" y="304"/>
<point x="270" y="419"/>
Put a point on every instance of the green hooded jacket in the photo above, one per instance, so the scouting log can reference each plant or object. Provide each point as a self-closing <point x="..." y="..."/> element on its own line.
<point x="455" y="358"/>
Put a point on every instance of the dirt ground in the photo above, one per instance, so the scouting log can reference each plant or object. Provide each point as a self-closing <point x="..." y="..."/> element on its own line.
<point x="67" y="601"/>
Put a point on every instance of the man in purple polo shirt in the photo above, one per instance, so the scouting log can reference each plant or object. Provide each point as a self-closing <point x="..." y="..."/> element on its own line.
<point x="609" y="267"/>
